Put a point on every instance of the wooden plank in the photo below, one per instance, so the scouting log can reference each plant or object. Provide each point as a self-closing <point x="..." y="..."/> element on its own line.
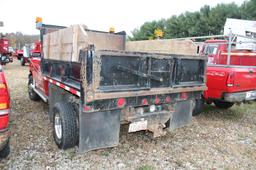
<point x="184" y="47"/>
<point x="65" y="44"/>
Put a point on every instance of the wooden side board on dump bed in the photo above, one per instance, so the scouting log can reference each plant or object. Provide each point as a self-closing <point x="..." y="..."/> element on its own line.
<point x="185" y="47"/>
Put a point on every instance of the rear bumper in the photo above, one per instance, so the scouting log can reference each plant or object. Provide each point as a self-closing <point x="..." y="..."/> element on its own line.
<point x="240" y="97"/>
<point x="4" y="138"/>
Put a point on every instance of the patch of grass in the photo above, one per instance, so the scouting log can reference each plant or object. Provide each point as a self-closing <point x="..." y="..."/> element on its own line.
<point x="179" y="163"/>
<point x="146" y="167"/>
<point x="71" y="153"/>
<point x="107" y="152"/>
<point x="30" y="157"/>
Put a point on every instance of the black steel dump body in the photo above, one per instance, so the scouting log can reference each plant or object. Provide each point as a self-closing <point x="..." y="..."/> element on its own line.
<point x="103" y="77"/>
<point x="120" y="86"/>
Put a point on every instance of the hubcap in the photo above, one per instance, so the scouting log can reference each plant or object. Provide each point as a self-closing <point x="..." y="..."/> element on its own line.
<point x="57" y="126"/>
<point x="30" y="89"/>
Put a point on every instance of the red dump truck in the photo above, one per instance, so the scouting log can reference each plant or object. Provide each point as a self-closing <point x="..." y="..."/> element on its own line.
<point x="231" y="75"/>
<point x="93" y="85"/>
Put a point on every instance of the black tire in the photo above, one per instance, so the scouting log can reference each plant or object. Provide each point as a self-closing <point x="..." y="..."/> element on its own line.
<point x="5" y="151"/>
<point x="65" y="115"/>
<point x="222" y="104"/>
<point x="22" y="62"/>
<point x="199" y="105"/>
<point x="31" y="93"/>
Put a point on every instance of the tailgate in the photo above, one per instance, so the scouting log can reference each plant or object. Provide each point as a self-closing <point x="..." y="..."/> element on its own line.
<point x="245" y="78"/>
<point x="241" y="78"/>
<point x="119" y="71"/>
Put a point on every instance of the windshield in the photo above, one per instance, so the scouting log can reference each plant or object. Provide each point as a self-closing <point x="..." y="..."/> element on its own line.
<point x="211" y="49"/>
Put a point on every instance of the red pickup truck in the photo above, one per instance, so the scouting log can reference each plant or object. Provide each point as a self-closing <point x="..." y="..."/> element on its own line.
<point x="228" y="82"/>
<point x="4" y="116"/>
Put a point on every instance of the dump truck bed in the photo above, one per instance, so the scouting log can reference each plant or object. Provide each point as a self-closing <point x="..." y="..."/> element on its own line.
<point x="108" y="74"/>
<point x="106" y="69"/>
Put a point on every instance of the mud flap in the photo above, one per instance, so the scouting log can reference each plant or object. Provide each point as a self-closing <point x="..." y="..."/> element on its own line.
<point x="98" y="130"/>
<point x="182" y="114"/>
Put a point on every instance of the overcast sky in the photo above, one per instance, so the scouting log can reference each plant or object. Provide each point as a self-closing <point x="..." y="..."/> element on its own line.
<point x="19" y="15"/>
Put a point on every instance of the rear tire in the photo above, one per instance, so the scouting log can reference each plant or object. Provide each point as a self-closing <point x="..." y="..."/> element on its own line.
<point x="222" y="104"/>
<point x="22" y="61"/>
<point x="32" y="94"/>
<point x="65" y="125"/>
<point x="199" y="105"/>
<point x="5" y="151"/>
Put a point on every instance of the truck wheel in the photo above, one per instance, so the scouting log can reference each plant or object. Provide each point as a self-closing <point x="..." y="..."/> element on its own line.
<point x="5" y="151"/>
<point x="32" y="94"/>
<point x="22" y="62"/>
<point x="222" y="104"/>
<point x="199" y="104"/>
<point x="65" y="125"/>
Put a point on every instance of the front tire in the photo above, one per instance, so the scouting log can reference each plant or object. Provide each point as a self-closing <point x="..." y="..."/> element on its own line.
<point x="65" y="125"/>
<point x="5" y="151"/>
<point x="222" y="104"/>
<point x="32" y="94"/>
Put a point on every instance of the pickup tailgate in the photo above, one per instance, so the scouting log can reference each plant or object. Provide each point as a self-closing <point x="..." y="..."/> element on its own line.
<point x="229" y="79"/>
<point x="244" y="79"/>
<point x="119" y="71"/>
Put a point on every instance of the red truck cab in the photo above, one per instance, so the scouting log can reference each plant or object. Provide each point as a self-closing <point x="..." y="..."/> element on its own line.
<point x="33" y="51"/>
<point x="5" y="54"/>
<point x="4" y="116"/>
<point x="4" y="45"/>
<point x="229" y="83"/>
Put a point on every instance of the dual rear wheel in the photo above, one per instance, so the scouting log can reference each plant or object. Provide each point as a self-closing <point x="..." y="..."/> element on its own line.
<point x="65" y="125"/>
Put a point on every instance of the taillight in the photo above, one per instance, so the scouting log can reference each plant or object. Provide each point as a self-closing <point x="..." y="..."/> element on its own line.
<point x="120" y="102"/>
<point x="184" y="96"/>
<point x="157" y="100"/>
<point x="168" y="99"/>
<point x="4" y="97"/>
<point x="231" y="79"/>
<point x="87" y="108"/>
<point x="144" y="102"/>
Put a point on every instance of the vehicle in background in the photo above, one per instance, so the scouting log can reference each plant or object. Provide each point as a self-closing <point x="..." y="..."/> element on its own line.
<point x="4" y="116"/>
<point x="36" y="49"/>
<point x="231" y="73"/>
<point x="92" y="85"/>
<point x="32" y="50"/>
<point x="19" y="54"/>
<point x="5" y="55"/>
<point x="11" y="50"/>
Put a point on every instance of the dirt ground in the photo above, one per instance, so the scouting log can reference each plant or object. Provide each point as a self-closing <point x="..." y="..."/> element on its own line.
<point x="216" y="139"/>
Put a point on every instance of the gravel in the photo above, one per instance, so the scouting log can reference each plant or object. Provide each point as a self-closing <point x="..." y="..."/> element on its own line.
<point x="216" y="139"/>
